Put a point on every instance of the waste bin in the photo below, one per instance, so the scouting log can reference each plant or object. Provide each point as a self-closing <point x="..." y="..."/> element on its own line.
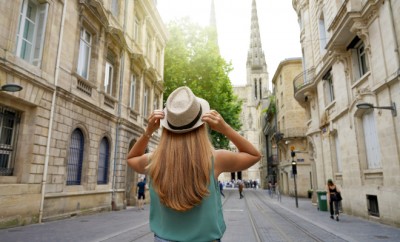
<point x="322" y="201"/>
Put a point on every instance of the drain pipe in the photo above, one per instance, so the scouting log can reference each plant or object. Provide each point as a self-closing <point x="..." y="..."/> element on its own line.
<point x="396" y="39"/>
<point x="117" y="127"/>
<point x="396" y="42"/>
<point x="52" y="110"/>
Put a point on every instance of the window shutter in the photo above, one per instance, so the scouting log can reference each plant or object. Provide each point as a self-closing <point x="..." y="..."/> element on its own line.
<point x="41" y="27"/>
<point x="371" y="141"/>
<point x="338" y="160"/>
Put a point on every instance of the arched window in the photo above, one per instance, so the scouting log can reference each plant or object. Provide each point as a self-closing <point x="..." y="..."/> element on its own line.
<point x="255" y="88"/>
<point x="75" y="159"/>
<point x="104" y="160"/>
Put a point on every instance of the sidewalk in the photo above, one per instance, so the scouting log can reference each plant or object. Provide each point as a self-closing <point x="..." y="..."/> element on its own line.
<point x="349" y="227"/>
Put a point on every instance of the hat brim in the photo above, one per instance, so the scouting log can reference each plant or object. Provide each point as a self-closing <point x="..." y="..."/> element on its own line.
<point x="205" y="108"/>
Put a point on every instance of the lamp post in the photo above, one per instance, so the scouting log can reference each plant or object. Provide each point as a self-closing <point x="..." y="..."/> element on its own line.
<point x="369" y="106"/>
<point x="294" y="171"/>
<point x="10" y="88"/>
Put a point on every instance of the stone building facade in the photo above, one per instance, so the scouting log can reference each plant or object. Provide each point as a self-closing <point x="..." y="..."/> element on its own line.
<point x="91" y="72"/>
<point x="350" y="57"/>
<point x="290" y="132"/>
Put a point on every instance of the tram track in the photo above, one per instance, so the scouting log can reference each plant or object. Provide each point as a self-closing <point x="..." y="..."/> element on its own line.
<point x="134" y="234"/>
<point x="282" y="225"/>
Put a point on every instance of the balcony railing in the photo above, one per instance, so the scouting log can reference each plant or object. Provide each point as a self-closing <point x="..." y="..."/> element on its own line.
<point x="304" y="79"/>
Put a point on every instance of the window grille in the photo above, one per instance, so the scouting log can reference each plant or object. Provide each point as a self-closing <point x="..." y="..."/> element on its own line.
<point x="104" y="158"/>
<point x="9" y="120"/>
<point x="75" y="159"/>
<point x="372" y="203"/>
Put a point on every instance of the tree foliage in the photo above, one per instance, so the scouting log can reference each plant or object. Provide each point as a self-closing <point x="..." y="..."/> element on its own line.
<point x="192" y="59"/>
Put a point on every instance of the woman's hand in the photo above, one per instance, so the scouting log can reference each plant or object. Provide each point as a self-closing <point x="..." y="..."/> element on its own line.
<point x="215" y="121"/>
<point x="154" y="121"/>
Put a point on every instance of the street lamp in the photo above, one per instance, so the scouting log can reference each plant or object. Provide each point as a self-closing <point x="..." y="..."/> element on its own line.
<point x="369" y="106"/>
<point x="294" y="171"/>
<point x="11" y="88"/>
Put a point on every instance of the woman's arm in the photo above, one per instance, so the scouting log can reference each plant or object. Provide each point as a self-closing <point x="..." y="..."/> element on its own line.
<point x="137" y="159"/>
<point x="228" y="161"/>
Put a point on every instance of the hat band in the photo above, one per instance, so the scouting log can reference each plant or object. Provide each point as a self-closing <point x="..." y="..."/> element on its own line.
<point x="186" y="126"/>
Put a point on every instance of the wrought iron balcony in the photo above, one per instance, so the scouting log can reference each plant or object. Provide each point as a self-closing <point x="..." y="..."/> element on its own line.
<point x="302" y="83"/>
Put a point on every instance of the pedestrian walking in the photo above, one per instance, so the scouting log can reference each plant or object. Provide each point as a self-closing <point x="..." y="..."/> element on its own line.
<point x="184" y="167"/>
<point x="278" y="192"/>
<point x="141" y="194"/>
<point x="270" y="189"/>
<point x="221" y="188"/>
<point x="334" y="197"/>
<point x="240" y="187"/>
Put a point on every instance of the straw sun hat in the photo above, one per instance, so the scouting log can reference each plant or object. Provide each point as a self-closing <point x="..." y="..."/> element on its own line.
<point x="183" y="111"/>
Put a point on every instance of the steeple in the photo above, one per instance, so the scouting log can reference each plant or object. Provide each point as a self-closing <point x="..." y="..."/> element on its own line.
<point x="255" y="56"/>
<point x="213" y="25"/>
<point x="257" y="75"/>
<point x="213" y="18"/>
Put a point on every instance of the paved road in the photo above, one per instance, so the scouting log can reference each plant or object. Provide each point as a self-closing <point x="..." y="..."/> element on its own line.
<point x="256" y="218"/>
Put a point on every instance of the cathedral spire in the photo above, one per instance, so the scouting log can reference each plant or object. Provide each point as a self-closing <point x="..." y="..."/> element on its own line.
<point x="213" y="18"/>
<point x="213" y="25"/>
<point x="257" y="74"/>
<point x="255" y="56"/>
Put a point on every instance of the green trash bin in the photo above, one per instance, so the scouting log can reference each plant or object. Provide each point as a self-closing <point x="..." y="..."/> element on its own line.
<point x="322" y="201"/>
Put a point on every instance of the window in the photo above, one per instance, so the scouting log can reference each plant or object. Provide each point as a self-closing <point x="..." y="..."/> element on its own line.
<point x="255" y="88"/>
<point x="156" y="101"/>
<point x="108" y="81"/>
<point x="104" y="160"/>
<point x="75" y="159"/>
<point x="31" y="28"/>
<point x="132" y="94"/>
<point x="359" y="58"/>
<point x="85" y="47"/>
<point x="372" y="203"/>
<point x="146" y="101"/>
<point x="136" y="30"/>
<point x="149" y="50"/>
<point x="260" y="86"/>
<point x="328" y="88"/>
<point x="362" y="59"/>
<point x="337" y="152"/>
<point x="371" y="141"/>
<point x="115" y="8"/>
<point x="157" y="62"/>
<point x="9" y="120"/>
<point x="322" y="34"/>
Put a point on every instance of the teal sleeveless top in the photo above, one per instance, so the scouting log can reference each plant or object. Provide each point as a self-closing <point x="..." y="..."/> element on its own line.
<point x="204" y="222"/>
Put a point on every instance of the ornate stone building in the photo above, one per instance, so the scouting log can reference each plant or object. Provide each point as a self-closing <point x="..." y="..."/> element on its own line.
<point x="351" y="57"/>
<point x="290" y="132"/>
<point x="253" y="94"/>
<point x="91" y="72"/>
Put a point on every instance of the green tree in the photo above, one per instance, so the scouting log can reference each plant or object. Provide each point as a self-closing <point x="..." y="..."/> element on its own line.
<point x="192" y="59"/>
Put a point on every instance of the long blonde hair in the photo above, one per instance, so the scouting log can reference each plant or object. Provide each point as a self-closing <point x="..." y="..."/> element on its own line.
<point x="180" y="168"/>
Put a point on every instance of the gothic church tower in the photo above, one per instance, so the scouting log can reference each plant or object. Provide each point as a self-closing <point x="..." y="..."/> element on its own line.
<point x="257" y="75"/>
<point x="253" y="95"/>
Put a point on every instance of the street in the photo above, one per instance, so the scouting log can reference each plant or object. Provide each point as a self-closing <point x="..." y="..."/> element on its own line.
<point x="257" y="217"/>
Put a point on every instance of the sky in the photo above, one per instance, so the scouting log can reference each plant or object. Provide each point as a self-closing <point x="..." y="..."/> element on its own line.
<point x="279" y="29"/>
